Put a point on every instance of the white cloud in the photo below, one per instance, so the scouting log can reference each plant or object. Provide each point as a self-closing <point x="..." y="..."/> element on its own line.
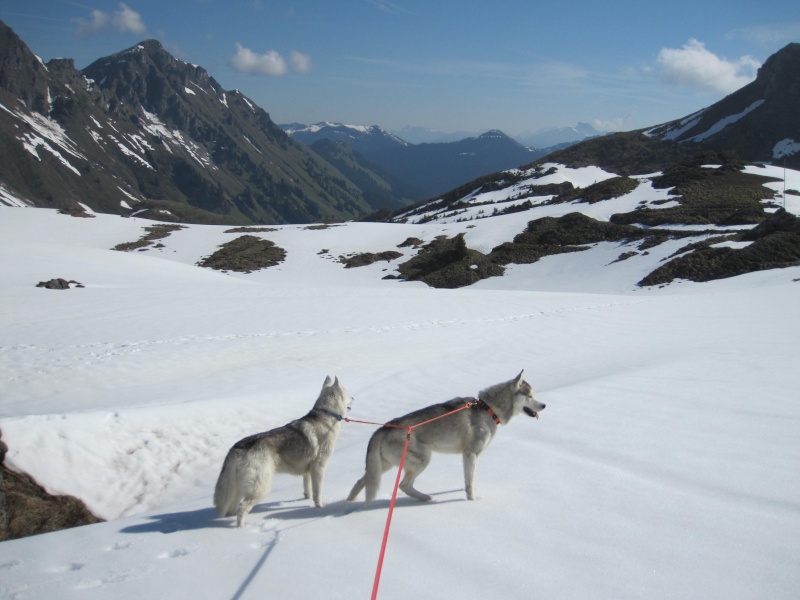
<point x="269" y="63"/>
<point x="123" y="20"/>
<point x="694" y="66"/>
<point x="301" y="62"/>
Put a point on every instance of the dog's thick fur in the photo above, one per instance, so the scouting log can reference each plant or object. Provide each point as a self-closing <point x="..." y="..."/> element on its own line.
<point x="467" y="432"/>
<point x="303" y="447"/>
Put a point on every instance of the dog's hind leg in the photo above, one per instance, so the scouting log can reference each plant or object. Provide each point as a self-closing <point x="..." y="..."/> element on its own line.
<point x="227" y="493"/>
<point x="256" y="486"/>
<point x="372" y="478"/>
<point x="416" y="462"/>
<point x="377" y="465"/>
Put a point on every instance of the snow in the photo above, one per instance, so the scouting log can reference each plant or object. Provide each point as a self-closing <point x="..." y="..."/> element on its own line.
<point x="480" y="205"/>
<point x="683" y="126"/>
<point x="250" y="104"/>
<point x="723" y="123"/>
<point x="155" y="127"/>
<point x="47" y="134"/>
<point x="9" y="198"/>
<point x="786" y="147"/>
<point x="666" y="464"/>
<point x="128" y="152"/>
<point x="787" y="178"/>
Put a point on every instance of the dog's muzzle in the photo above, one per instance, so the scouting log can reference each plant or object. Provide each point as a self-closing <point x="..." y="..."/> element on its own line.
<point x="530" y="412"/>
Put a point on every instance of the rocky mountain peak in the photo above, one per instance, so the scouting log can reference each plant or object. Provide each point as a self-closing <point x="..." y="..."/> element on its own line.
<point x="22" y="73"/>
<point x="780" y="69"/>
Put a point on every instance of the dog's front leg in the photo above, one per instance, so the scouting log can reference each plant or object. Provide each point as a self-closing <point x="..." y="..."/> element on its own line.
<point x="316" y="473"/>
<point x="306" y="485"/>
<point x="470" y="464"/>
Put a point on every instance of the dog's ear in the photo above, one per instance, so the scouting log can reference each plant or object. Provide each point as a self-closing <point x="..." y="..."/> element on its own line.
<point x="518" y="378"/>
<point x="336" y="382"/>
<point x="328" y="382"/>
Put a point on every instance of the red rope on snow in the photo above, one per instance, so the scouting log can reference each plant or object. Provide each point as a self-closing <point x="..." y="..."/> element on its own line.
<point x="379" y="568"/>
<point x="409" y="429"/>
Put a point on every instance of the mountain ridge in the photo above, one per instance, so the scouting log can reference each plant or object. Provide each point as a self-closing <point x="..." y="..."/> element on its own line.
<point x="142" y="132"/>
<point x="426" y="169"/>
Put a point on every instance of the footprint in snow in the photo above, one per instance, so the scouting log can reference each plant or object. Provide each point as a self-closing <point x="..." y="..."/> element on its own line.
<point x="7" y="566"/>
<point x="71" y="567"/>
<point x="119" y="546"/>
<point x="175" y="553"/>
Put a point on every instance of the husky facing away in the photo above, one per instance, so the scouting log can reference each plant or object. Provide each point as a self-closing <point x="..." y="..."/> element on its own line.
<point x="302" y="447"/>
<point x="467" y="432"/>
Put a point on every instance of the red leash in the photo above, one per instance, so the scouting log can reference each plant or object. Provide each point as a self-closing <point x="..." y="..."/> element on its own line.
<point x="409" y="429"/>
<point x="389" y="519"/>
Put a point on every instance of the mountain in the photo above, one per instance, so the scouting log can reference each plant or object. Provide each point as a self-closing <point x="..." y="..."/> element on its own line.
<point x="697" y="184"/>
<point x="384" y="190"/>
<point x="759" y="122"/>
<point x="140" y="132"/>
<point x="363" y="139"/>
<point x="424" y="170"/>
<point x="436" y="168"/>
<point x="556" y="136"/>
<point x="423" y="135"/>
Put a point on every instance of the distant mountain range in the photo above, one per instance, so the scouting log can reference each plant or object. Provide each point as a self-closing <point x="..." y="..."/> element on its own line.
<point x="142" y="133"/>
<point x="425" y="169"/>
<point x="541" y="139"/>
<point x="550" y="137"/>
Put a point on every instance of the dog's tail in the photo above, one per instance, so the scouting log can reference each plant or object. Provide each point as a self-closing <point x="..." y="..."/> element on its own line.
<point x="376" y="466"/>
<point x="372" y="475"/>
<point x="227" y="493"/>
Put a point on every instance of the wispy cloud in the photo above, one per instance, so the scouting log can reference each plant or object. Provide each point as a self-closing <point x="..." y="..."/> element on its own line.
<point x="695" y="66"/>
<point x="301" y="62"/>
<point x="122" y="20"/>
<point x="386" y="6"/>
<point x="770" y="36"/>
<point x="270" y="63"/>
<point x="477" y="69"/>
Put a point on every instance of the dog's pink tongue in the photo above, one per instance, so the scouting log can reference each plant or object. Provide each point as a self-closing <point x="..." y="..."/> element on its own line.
<point x="530" y="412"/>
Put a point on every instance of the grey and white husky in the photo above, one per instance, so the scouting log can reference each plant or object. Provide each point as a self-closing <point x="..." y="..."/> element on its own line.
<point x="303" y="447"/>
<point x="467" y="432"/>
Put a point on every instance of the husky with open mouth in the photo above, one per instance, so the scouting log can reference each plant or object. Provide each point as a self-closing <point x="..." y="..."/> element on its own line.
<point x="467" y="432"/>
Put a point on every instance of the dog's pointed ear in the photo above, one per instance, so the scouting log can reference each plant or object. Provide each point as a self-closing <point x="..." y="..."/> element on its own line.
<point x="328" y="382"/>
<point x="336" y="382"/>
<point x="518" y="378"/>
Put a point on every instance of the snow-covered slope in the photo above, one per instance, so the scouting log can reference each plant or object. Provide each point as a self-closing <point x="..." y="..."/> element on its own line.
<point x="665" y="465"/>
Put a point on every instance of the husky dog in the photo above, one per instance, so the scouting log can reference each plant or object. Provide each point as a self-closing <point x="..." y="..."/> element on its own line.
<point x="303" y="447"/>
<point x="467" y="432"/>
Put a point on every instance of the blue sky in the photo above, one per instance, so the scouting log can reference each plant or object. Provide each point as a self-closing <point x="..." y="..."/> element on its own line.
<point x="452" y="66"/>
